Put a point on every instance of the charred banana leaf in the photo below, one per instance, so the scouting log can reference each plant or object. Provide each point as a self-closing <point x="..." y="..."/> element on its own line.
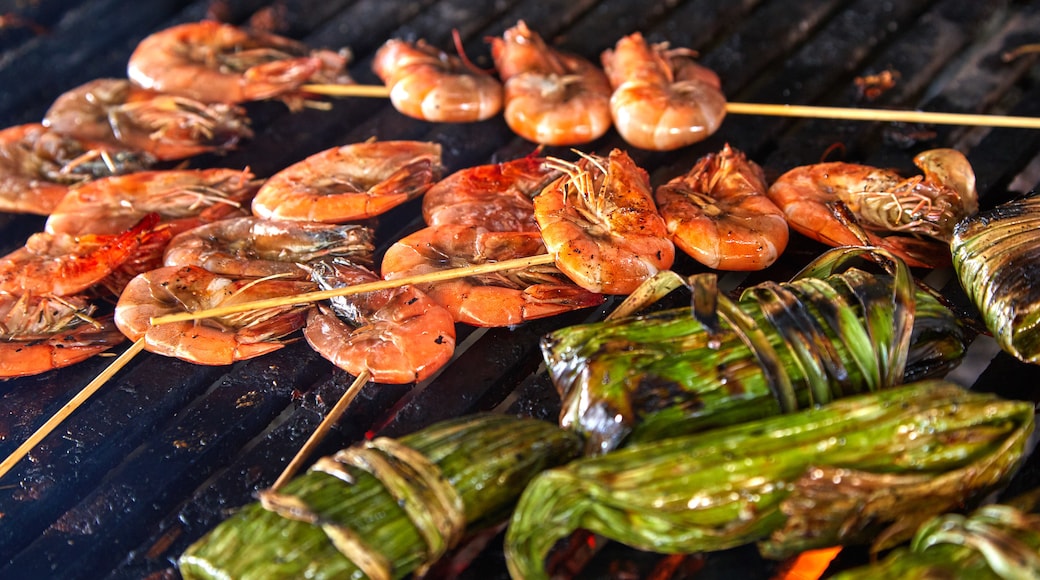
<point x="781" y="347"/>
<point x="865" y="468"/>
<point x="997" y="257"/>
<point x="385" y="508"/>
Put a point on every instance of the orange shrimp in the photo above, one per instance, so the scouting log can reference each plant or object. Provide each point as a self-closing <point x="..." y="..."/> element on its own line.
<point x="220" y="63"/>
<point x="426" y="83"/>
<point x="168" y="127"/>
<point x="497" y="196"/>
<point x="210" y="341"/>
<point x="893" y="210"/>
<point x="251" y="247"/>
<point x="400" y="335"/>
<point x="719" y="214"/>
<point x="63" y="265"/>
<point x="662" y="99"/>
<point x="551" y="97"/>
<point x="42" y="333"/>
<point x="183" y="198"/>
<point x="497" y="299"/>
<point x="351" y="182"/>
<point x="38" y="165"/>
<point x="600" y="222"/>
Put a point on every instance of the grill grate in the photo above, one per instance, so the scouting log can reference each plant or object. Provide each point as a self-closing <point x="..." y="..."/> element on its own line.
<point x="162" y="452"/>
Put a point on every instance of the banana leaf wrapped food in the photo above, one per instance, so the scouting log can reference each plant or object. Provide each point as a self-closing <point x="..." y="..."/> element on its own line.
<point x="868" y="468"/>
<point x="781" y="347"/>
<point x="385" y="508"/>
<point x="996" y="254"/>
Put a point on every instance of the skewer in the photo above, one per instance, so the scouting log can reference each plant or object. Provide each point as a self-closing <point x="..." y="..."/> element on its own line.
<point x="70" y="407"/>
<point x="539" y="260"/>
<point x="804" y="111"/>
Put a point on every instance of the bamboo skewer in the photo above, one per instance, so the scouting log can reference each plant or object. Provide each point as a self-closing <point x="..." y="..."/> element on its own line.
<point x="70" y="407"/>
<point x="805" y="111"/>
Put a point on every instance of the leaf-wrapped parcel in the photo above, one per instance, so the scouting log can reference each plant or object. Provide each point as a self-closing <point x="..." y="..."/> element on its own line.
<point x="385" y="508"/>
<point x="828" y="333"/>
<point x="868" y="468"/>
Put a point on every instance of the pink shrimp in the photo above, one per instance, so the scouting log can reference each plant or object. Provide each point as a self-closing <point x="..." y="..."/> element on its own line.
<point x="662" y="99"/>
<point x="551" y="97"/>
<point x="719" y="214"/>
<point x="351" y="182"/>
<point x="496" y="196"/>
<point x="600" y="222"/>
<point x="426" y="83"/>
<point x="168" y="127"/>
<point x="210" y="341"/>
<point x="400" y="335"/>
<point x="219" y="63"/>
<point x="498" y="299"/>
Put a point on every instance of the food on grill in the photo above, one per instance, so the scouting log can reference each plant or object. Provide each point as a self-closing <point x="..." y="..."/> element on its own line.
<point x="212" y="341"/>
<point x="867" y="469"/>
<point x="780" y="347"/>
<point x="719" y="214"/>
<point x="662" y="98"/>
<point x="496" y="196"/>
<point x="167" y="127"/>
<point x="219" y="63"/>
<point x="350" y="182"/>
<point x="600" y="222"/>
<point x="995" y="255"/>
<point x="428" y="84"/>
<point x="500" y="298"/>
<point x="398" y="336"/>
<point x="183" y="198"/>
<point x="37" y="166"/>
<point x="39" y="333"/>
<point x="251" y="247"/>
<point x="387" y="507"/>
<point x="894" y="211"/>
<point x="551" y="97"/>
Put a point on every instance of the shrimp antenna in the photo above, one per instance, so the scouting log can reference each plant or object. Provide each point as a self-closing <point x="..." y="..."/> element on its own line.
<point x="461" y="50"/>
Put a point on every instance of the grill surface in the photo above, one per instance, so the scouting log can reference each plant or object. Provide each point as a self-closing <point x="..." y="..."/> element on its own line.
<point x="161" y="453"/>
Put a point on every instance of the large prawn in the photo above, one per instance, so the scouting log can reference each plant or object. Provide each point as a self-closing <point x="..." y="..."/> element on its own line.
<point x="209" y="341"/>
<point x="498" y="299"/>
<point x="719" y="214"/>
<point x="497" y="196"/>
<point x="886" y="209"/>
<point x="662" y="99"/>
<point x="551" y="97"/>
<point x="399" y="336"/>
<point x="429" y="84"/>
<point x="168" y="127"/>
<point x="351" y="182"/>
<point x="220" y="63"/>
<point x="600" y="222"/>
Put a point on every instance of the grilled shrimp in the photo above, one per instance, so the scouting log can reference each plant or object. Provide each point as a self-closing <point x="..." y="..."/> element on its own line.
<point x="551" y="97"/>
<point x="497" y="196"/>
<point x="351" y="182"/>
<point x="219" y="63"/>
<point x="719" y="214"/>
<point x="893" y="210"/>
<point x="38" y="165"/>
<point x="210" y="341"/>
<point x="497" y="299"/>
<point x="426" y="83"/>
<point x="662" y="99"/>
<point x="168" y="127"/>
<point x="600" y="222"/>
<point x="39" y="333"/>
<point x="251" y="247"/>
<point x="183" y="198"/>
<point x="399" y="335"/>
<point x="62" y="265"/>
